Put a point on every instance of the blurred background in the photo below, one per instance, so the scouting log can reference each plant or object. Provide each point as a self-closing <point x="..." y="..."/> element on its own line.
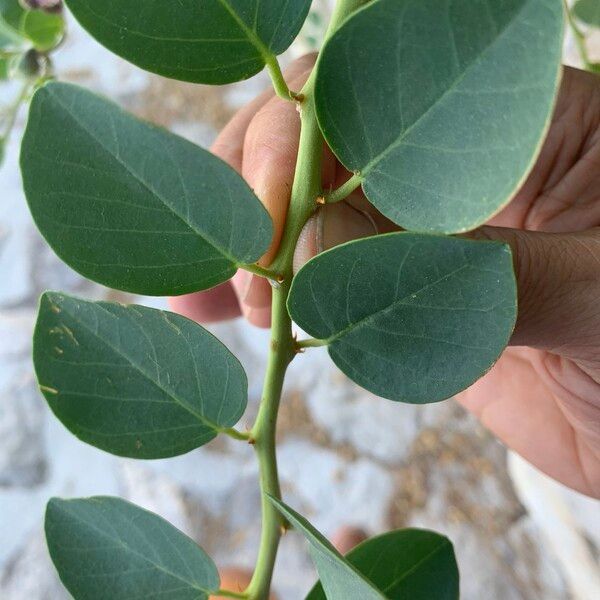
<point x="346" y="457"/>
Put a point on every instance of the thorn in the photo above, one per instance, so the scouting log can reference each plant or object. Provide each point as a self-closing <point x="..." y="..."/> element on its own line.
<point x="321" y="201"/>
<point x="54" y="308"/>
<point x="285" y="527"/>
<point x="251" y="441"/>
<point x="58" y="350"/>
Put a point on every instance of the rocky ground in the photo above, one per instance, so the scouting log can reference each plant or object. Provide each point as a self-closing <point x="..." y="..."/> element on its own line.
<point x="346" y="457"/>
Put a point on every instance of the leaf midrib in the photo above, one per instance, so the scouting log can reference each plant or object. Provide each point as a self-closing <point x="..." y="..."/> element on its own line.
<point x="381" y="156"/>
<point x="136" y="177"/>
<point x="123" y="543"/>
<point x="417" y="565"/>
<point x="207" y="422"/>
<point x="382" y="311"/>
<point x="264" y="52"/>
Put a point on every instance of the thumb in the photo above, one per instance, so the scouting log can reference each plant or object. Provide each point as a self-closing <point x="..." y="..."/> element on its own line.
<point x="335" y="224"/>
<point x="558" y="283"/>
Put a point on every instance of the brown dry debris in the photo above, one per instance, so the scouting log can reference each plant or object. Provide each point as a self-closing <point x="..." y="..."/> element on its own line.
<point x="460" y="462"/>
<point x="295" y="419"/>
<point x="165" y="102"/>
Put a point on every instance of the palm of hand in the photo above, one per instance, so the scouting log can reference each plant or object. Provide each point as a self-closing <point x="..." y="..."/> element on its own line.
<point x="545" y="403"/>
<point x="542" y="398"/>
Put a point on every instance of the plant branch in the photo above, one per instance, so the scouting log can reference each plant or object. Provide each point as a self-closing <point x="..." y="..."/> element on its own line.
<point x="229" y="594"/>
<point x="580" y="39"/>
<point x="306" y="188"/>
<point x="236" y="434"/>
<point x="311" y="343"/>
<point x="280" y="86"/>
<point x="344" y="190"/>
<point x="13" y="110"/>
<point x="262" y="272"/>
<point x="263" y="434"/>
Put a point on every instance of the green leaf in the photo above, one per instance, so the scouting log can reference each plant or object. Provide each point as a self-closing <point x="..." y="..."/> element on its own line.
<point x="339" y="578"/>
<point x="203" y="41"/>
<point x="588" y="11"/>
<point x="408" y="563"/>
<point x="130" y="205"/>
<point x="12" y="13"/>
<point x="410" y="317"/>
<point x="10" y="19"/>
<point x="135" y="381"/>
<point x="4" y="68"/>
<point x="441" y="107"/>
<point x="108" y="549"/>
<point x="9" y="39"/>
<point x="45" y="30"/>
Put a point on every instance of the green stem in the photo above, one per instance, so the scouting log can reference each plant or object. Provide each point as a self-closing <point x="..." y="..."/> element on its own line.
<point x="344" y="190"/>
<point x="229" y="594"/>
<point x="262" y="272"/>
<point x="13" y="110"/>
<point x="579" y="36"/>
<point x="311" y="343"/>
<point x="263" y="434"/>
<point x="303" y="202"/>
<point x="280" y="86"/>
<point x="236" y="434"/>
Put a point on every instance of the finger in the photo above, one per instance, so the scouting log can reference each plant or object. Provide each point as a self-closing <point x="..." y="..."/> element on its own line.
<point x="270" y="153"/>
<point x="520" y="402"/>
<point x="338" y="223"/>
<point x="218" y="304"/>
<point x="558" y="282"/>
<point x="347" y="538"/>
<point x="221" y="303"/>
<point x="229" y="145"/>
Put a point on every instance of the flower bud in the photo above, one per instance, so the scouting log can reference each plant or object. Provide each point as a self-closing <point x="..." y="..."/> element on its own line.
<point x="32" y="64"/>
<point x="51" y="6"/>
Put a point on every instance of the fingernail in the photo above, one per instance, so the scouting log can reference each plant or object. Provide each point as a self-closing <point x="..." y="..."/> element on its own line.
<point x="343" y="222"/>
<point x="308" y="242"/>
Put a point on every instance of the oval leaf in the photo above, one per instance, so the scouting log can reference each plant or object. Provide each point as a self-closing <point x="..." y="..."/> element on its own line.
<point x="135" y="381"/>
<point x="9" y="39"/>
<point x="12" y="13"/>
<point x="339" y="578"/>
<point x="588" y="11"/>
<point x="414" y="318"/>
<point x="107" y="548"/>
<point x="441" y="108"/>
<point x="130" y="205"/>
<point x="203" y="41"/>
<point x="4" y="68"/>
<point x="408" y="563"/>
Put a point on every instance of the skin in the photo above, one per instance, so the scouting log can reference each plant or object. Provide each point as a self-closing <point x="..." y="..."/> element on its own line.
<point x="542" y="398"/>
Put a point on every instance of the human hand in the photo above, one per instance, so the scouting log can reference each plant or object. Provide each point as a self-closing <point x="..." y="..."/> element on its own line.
<point x="542" y="398"/>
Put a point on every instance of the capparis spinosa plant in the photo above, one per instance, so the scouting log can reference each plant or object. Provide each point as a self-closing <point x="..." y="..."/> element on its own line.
<point x="437" y="109"/>
<point x="30" y="31"/>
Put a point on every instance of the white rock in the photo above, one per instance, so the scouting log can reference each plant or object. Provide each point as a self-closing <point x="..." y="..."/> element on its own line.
<point x="22" y="452"/>
<point x="30" y="575"/>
